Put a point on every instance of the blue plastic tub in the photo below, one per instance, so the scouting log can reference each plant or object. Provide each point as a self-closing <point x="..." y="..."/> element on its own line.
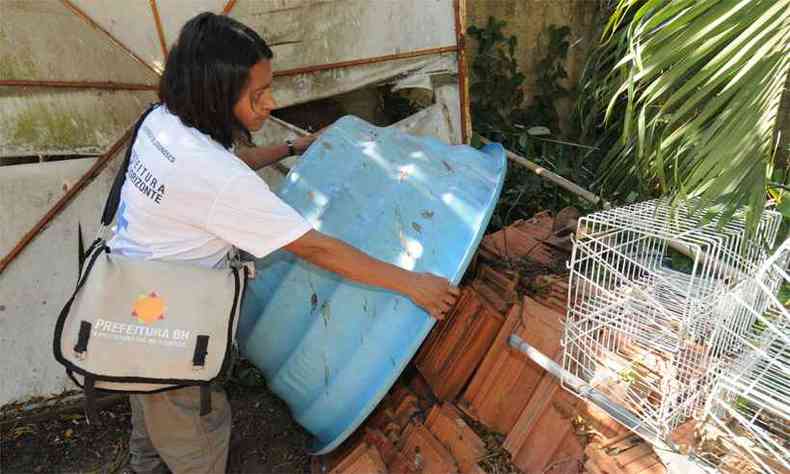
<point x="332" y="348"/>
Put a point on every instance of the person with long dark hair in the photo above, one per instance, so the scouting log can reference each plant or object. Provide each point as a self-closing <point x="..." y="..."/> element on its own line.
<point x="188" y="197"/>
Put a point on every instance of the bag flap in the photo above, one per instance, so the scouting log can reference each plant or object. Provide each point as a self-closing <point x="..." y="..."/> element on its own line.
<point x="159" y="321"/>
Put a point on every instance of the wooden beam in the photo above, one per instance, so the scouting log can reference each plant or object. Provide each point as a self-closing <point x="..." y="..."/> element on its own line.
<point x="564" y="183"/>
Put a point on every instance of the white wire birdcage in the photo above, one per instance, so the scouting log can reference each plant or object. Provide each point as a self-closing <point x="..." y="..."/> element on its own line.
<point x="648" y="286"/>
<point x="750" y="404"/>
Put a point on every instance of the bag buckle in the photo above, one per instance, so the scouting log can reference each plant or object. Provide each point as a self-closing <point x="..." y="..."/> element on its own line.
<point x="199" y="357"/>
<point x="250" y="266"/>
<point x="81" y="347"/>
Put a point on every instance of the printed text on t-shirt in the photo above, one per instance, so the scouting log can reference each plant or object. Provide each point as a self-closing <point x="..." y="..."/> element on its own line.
<point x="145" y="182"/>
<point x="164" y="151"/>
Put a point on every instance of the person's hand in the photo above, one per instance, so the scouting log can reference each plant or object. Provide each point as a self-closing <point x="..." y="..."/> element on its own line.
<point x="433" y="294"/>
<point x="302" y="143"/>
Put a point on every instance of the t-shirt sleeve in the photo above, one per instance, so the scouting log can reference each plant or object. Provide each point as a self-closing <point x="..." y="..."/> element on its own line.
<point x="248" y="215"/>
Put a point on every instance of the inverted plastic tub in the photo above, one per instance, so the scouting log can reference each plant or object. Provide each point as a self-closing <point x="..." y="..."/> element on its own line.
<point x="332" y="348"/>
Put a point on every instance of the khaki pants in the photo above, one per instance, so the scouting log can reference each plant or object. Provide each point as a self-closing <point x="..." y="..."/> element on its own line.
<point x="167" y="426"/>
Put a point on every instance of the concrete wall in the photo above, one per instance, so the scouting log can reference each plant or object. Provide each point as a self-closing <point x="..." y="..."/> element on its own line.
<point x="45" y="40"/>
<point x="529" y="20"/>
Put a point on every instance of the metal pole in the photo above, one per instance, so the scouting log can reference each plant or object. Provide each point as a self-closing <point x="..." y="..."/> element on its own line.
<point x="364" y="61"/>
<point x="583" y="389"/>
<point x="675" y="462"/>
<point x="94" y="171"/>
<point x="122" y="86"/>
<point x="459" y="6"/>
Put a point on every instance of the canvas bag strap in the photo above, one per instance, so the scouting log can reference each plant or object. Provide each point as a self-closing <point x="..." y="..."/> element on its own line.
<point x="114" y="198"/>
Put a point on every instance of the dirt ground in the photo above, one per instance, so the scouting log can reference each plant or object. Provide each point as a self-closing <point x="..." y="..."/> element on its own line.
<point x="264" y="439"/>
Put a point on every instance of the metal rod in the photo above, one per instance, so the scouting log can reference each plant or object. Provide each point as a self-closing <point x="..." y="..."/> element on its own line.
<point x="228" y="7"/>
<point x="679" y="463"/>
<point x="564" y="183"/>
<point x="463" y="83"/>
<point x="84" y="180"/>
<point x="79" y="85"/>
<point x="360" y="62"/>
<point x="583" y="389"/>
<point x="159" y="30"/>
<point x="76" y="10"/>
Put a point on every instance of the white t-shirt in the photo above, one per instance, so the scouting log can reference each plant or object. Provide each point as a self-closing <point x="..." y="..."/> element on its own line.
<point x="187" y="198"/>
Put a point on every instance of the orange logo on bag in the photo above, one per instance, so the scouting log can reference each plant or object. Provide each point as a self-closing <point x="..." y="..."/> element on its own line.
<point x="149" y="308"/>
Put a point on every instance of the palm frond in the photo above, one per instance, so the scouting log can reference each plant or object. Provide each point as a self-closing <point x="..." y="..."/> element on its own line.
<point x="694" y="92"/>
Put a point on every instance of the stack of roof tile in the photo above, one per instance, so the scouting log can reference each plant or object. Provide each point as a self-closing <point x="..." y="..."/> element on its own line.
<point x="466" y="368"/>
<point x="456" y="346"/>
<point x="524" y="239"/>
<point x="407" y="434"/>
<point x="502" y="387"/>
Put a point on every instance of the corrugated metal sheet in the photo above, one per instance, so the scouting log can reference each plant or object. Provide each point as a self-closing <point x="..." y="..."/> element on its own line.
<point x="132" y="23"/>
<point x="308" y="87"/>
<point x="43" y="40"/>
<point x="65" y="121"/>
<point x="314" y="32"/>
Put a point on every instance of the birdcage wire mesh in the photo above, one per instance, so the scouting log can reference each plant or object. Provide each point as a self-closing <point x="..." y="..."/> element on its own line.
<point x="750" y="404"/>
<point x="649" y="284"/>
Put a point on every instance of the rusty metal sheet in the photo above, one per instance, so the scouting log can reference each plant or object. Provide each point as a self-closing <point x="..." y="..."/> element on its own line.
<point x="175" y="13"/>
<point x="133" y="24"/>
<point x="43" y="40"/>
<point x="40" y="121"/>
<point x="33" y="287"/>
<point x="303" y="88"/>
<point x="314" y="32"/>
<point x="301" y="32"/>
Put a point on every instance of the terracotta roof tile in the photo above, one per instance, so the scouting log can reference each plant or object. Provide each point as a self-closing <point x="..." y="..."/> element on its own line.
<point x="460" y="343"/>
<point x="430" y="454"/>
<point x="449" y="427"/>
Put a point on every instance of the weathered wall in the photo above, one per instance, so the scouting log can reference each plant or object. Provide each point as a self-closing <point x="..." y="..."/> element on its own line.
<point x="529" y="20"/>
<point x="46" y="41"/>
<point x="37" y="284"/>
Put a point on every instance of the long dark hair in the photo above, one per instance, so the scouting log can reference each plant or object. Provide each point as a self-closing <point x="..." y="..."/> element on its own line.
<point x="206" y="71"/>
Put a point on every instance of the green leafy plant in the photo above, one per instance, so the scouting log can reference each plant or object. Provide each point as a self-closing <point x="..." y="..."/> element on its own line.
<point x="499" y="113"/>
<point x="496" y="87"/>
<point x="692" y="88"/>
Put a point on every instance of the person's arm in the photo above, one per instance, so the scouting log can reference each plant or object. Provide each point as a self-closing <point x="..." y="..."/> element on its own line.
<point x="434" y="294"/>
<point x="261" y="156"/>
